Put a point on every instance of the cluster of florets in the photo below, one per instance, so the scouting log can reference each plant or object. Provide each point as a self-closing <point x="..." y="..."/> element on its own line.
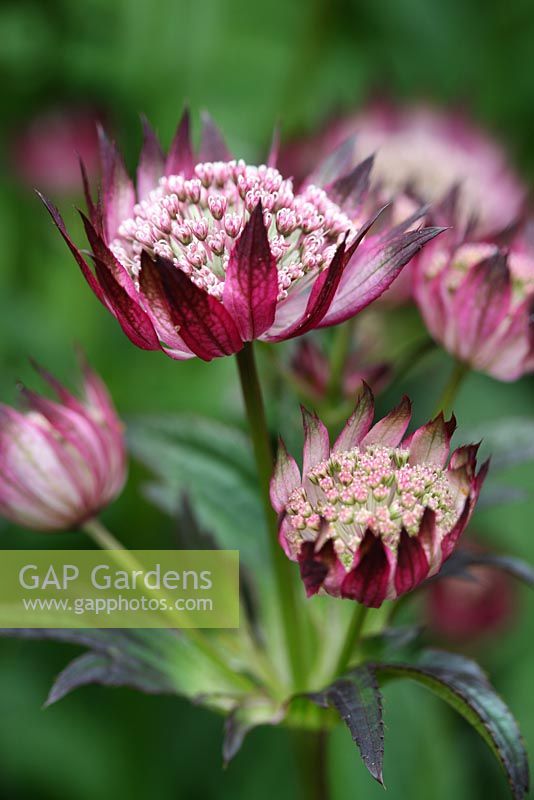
<point x="195" y="223"/>
<point x="374" y="489"/>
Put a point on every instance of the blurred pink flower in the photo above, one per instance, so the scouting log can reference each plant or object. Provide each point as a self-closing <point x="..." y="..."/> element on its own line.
<point x="312" y="368"/>
<point x="208" y="253"/>
<point x="477" y="300"/>
<point x="425" y="150"/>
<point x="46" y="153"/>
<point x="376" y="514"/>
<point x="467" y="609"/>
<point x="61" y="461"/>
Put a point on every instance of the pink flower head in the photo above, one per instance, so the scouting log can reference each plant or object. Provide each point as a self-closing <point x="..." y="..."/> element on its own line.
<point x="426" y="150"/>
<point x="477" y="300"/>
<point x="61" y="461"/>
<point x="46" y="153"/>
<point x="376" y="514"/>
<point x="207" y="253"/>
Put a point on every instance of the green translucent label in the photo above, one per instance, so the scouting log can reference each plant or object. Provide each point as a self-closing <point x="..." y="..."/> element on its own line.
<point x="119" y="589"/>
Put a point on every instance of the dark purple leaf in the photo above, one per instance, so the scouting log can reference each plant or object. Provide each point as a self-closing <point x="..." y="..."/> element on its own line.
<point x="461" y="683"/>
<point x="358" y="700"/>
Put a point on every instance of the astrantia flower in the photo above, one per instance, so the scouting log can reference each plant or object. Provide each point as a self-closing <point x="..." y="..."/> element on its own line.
<point x="477" y="300"/>
<point x="209" y="252"/>
<point x="376" y="514"/>
<point x="427" y="150"/>
<point x="60" y="462"/>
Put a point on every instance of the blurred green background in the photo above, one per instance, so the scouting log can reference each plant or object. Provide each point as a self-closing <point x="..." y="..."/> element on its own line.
<point x="251" y="65"/>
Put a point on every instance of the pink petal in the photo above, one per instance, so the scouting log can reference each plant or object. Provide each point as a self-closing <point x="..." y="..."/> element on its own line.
<point x="159" y="310"/>
<point x="82" y="263"/>
<point x="102" y="252"/>
<point x="94" y="212"/>
<point x="480" y="304"/>
<point x="349" y="191"/>
<point x="337" y="163"/>
<point x="251" y="283"/>
<point x="118" y="193"/>
<point x="316" y="566"/>
<point x="368" y="580"/>
<point x="274" y="150"/>
<point x="371" y="271"/>
<point x="129" y="314"/>
<point x="359" y="422"/>
<point x="205" y="325"/>
<point x="151" y="162"/>
<point x="212" y="144"/>
<point x="390" y="430"/>
<point x="431" y="443"/>
<point x="321" y="295"/>
<point x="449" y="541"/>
<point x="412" y="564"/>
<point x="285" y="479"/>
<point x="180" y="160"/>
<point x="316" y="441"/>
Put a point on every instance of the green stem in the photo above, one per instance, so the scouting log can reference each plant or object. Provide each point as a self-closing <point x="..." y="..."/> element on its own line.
<point x="311" y="748"/>
<point x="283" y="573"/>
<point x="352" y="637"/>
<point x="338" y="358"/>
<point x="448" y="396"/>
<point x="105" y="540"/>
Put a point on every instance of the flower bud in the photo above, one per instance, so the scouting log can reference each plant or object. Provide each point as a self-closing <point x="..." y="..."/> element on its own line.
<point x="61" y="461"/>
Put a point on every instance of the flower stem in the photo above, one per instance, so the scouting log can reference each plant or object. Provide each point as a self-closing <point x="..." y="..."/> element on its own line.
<point x="338" y="357"/>
<point x="446" y="400"/>
<point x="352" y="637"/>
<point x="311" y="752"/>
<point x="105" y="540"/>
<point x="263" y="454"/>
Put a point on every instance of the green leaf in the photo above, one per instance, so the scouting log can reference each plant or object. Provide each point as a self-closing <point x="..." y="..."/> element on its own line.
<point x="210" y="461"/>
<point x="102" y="668"/>
<point x="463" y="685"/>
<point x="250" y="714"/>
<point x="152" y="660"/>
<point x="357" y="699"/>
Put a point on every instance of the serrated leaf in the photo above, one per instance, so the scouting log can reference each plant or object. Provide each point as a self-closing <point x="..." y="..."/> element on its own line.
<point x="103" y="669"/>
<point x="464" y="686"/>
<point x="358" y="700"/>
<point x="152" y="660"/>
<point x="210" y="461"/>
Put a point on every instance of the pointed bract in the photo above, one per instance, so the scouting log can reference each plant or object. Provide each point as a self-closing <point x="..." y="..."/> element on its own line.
<point x="151" y="162"/>
<point x="359" y="423"/>
<point x="251" y="284"/>
<point x="286" y="477"/>
<point x="181" y="160"/>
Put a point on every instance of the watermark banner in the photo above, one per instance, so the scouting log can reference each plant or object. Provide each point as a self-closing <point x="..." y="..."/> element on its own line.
<point x="119" y="589"/>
